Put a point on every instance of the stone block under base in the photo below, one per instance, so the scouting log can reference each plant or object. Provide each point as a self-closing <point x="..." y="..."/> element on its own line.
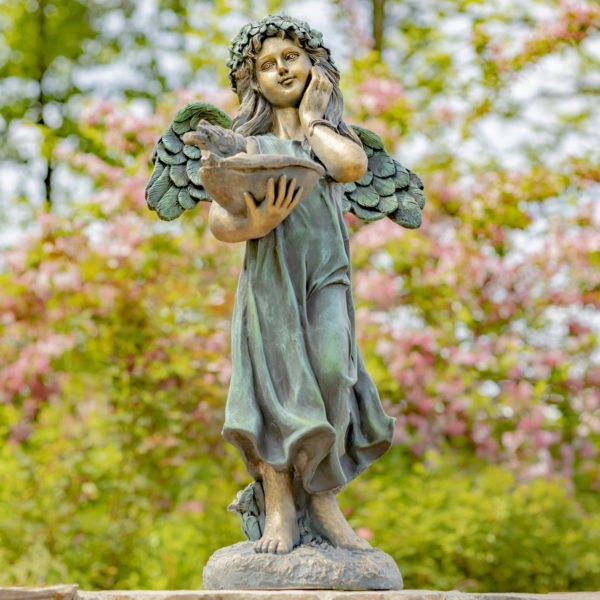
<point x="308" y="567"/>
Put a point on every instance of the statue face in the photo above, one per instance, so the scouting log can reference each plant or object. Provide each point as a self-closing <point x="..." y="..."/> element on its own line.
<point x="282" y="71"/>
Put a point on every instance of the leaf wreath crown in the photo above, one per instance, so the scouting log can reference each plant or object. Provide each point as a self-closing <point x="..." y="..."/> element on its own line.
<point x="270" y="25"/>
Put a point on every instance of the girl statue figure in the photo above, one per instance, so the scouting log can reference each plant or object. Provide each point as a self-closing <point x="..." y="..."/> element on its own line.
<point x="302" y="410"/>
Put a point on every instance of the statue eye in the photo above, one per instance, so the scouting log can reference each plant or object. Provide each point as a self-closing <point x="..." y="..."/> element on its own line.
<point x="292" y="56"/>
<point x="266" y="65"/>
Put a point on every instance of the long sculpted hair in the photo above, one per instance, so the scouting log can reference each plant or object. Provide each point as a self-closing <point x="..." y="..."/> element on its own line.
<point x="255" y="114"/>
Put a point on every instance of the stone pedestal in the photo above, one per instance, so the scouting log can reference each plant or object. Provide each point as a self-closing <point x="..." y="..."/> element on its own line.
<point x="70" y="592"/>
<point x="308" y="567"/>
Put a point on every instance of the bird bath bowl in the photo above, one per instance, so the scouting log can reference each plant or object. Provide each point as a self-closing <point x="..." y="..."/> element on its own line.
<point x="226" y="179"/>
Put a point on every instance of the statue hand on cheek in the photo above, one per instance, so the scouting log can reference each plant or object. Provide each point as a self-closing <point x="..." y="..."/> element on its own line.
<point x="316" y="97"/>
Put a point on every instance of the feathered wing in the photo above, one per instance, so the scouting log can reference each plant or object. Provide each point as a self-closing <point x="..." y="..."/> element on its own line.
<point x="175" y="184"/>
<point x="387" y="189"/>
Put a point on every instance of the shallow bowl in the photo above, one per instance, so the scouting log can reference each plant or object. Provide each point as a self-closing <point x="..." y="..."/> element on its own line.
<point x="226" y="179"/>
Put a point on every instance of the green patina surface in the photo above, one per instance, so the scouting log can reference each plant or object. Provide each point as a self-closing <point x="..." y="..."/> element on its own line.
<point x="299" y="392"/>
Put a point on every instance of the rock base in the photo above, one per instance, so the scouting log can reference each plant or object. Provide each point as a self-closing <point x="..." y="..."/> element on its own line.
<point x="308" y="567"/>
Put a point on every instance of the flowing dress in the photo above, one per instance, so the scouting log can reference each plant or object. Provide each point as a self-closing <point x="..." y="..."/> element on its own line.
<point x="300" y="395"/>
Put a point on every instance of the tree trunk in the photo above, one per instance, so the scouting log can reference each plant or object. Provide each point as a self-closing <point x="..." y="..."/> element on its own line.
<point x="42" y="100"/>
<point x="378" y="20"/>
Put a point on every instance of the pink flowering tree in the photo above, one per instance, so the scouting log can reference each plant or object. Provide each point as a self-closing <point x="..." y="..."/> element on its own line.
<point x="114" y="365"/>
<point x="481" y="326"/>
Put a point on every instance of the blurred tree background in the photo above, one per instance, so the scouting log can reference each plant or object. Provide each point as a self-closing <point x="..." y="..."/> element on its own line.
<point x="480" y="328"/>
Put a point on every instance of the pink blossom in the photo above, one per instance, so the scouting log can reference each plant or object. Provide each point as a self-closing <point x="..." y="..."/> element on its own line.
<point x="544" y="438"/>
<point x="523" y="391"/>
<point x="588" y="450"/>
<point x="425" y="405"/>
<point x="376" y="286"/>
<point x="379" y="94"/>
<point x="365" y="533"/>
<point x="593" y="375"/>
<point x="225" y="373"/>
<point x="34" y="361"/>
<point x="443" y="113"/>
<point x="481" y="433"/>
<point x="459" y="404"/>
<point x="20" y="432"/>
<point x="401" y="436"/>
<point x="96" y="167"/>
<point x="357" y="22"/>
<point x="511" y="440"/>
<point x="352" y="220"/>
<point x="192" y="506"/>
<point x="107" y="296"/>
<point x="217" y="342"/>
<point x="67" y="279"/>
<point x="62" y="151"/>
<point x="533" y="421"/>
<point x="16" y="259"/>
<point x="537" y="470"/>
<point x="575" y="22"/>
<point x="456" y="428"/>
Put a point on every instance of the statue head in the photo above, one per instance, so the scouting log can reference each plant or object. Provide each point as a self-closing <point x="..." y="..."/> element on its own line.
<point x="255" y="115"/>
<point x="246" y="45"/>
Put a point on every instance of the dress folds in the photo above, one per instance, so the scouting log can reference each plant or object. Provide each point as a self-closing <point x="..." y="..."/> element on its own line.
<point x="300" y="395"/>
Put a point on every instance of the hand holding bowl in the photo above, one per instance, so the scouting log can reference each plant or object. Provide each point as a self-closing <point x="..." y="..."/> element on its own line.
<point x="227" y="180"/>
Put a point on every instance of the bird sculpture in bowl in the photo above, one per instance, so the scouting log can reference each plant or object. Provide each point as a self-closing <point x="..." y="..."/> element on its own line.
<point x="227" y="170"/>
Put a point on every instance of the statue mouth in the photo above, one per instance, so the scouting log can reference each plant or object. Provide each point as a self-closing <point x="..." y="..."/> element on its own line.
<point x="286" y="80"/>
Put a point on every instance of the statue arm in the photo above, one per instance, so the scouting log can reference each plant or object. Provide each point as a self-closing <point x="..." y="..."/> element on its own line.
<point x="344" y="159"/>
<point x="227" y="227"/>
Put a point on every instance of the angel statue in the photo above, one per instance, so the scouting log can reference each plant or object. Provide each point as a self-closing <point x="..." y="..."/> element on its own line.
<point x="302" y="410"/>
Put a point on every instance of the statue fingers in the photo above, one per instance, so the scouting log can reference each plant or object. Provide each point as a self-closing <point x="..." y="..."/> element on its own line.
<point x="320" y="78"/>
<point x="326" y="85"/>
<point x="315" y="76"/>
<point x="317" y="72"/>
<point x="291" y="188"/>
<point x="270" y="197"/>
<point x="281" y="191"/>
<point x="250" y="203"/>
<point x="295" y="199"/>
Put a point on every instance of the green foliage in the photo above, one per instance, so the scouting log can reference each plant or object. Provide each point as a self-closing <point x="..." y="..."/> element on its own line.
<point x="477" y="528"/>
<point x="76" y="504"/>
<point x="80" y="508"/>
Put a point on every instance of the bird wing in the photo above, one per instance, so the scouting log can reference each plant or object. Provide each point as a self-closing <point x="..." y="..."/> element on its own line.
<point x="175" y="184"/>
<point x="387" y="189"/>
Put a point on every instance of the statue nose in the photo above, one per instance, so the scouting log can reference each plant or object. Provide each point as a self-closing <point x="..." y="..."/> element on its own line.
<point x="282" y="68"/>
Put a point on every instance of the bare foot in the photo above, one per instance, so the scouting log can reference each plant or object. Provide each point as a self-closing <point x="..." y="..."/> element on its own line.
<point x="328" y="517"/>
<point x="281" y="527"/>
